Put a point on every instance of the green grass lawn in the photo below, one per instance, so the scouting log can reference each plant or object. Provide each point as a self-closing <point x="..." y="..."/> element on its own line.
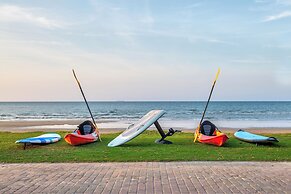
<point x="142" y="148"/>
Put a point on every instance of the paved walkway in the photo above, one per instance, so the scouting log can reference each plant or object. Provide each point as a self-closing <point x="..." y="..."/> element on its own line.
<point x="147" y="177"/>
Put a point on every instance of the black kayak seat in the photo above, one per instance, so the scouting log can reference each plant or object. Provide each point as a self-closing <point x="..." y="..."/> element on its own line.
<point x="86" y="128"/>
<point x="207" y="128"/>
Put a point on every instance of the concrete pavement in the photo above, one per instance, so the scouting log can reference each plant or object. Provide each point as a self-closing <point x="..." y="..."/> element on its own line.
<point x="147" y="177"/>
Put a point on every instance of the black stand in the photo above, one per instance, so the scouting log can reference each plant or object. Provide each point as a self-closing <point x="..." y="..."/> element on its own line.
<point x="25" y="145"/>
<point x="162" y="133"/>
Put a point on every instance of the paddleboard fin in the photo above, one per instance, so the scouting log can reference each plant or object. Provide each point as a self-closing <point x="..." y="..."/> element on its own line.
<point x="273" y="139"/>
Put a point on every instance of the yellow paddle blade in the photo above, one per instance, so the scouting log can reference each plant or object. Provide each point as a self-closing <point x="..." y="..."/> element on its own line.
<point x="195" y="137"/>
<point x="99" y="136"/>
<point x="217" y="74"/>
<point x="196" y="134"/>
<point x="98" y="132"/>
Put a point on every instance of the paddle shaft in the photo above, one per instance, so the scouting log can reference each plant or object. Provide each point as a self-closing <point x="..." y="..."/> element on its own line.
<point x="207" y="103"/>
<point x="213" y="85"/>
<point x="79" y="84"/>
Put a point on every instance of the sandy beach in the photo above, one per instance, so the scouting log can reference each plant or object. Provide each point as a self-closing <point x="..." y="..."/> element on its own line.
<point x="47" y="126"/>
<point x="69" y="125"/>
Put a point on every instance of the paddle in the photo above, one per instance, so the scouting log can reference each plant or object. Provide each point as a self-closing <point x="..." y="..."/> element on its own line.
<point x="79" y="84"/>
<point x="198" y="128"/>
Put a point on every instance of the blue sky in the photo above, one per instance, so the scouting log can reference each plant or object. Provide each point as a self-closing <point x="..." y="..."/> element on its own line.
<point x="145" y="50"/>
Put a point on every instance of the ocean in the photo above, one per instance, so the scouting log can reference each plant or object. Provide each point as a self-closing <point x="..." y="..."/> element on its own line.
<point x="179" y="114"/>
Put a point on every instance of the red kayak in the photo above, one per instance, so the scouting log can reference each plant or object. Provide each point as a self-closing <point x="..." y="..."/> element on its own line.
<point x="86" y="133"/>
<point x="219" y="139"/>
<point x="209" y="134"/>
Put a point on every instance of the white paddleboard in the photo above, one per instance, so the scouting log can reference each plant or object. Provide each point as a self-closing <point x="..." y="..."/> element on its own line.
<point x="134" y="130"/>
<point x="42" y="139"/>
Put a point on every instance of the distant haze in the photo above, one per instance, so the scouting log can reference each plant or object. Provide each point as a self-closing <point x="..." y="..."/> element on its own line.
<point x="145" y="50"/>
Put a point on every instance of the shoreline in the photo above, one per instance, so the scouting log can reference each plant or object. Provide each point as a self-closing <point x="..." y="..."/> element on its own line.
<point x="109" y="126"/>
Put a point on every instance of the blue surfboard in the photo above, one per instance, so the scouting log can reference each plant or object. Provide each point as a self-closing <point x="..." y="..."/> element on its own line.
<point x="42" y="139"/>
<point x="253" y="138"/>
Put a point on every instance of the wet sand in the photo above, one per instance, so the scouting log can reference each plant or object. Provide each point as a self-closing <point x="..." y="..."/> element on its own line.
<point x="69" y="125"/>
<point x="47" y="126"/>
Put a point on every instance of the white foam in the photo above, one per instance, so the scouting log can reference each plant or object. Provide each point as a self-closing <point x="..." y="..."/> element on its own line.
<point x="183" y="124"/>
<point x="190" y="124"/>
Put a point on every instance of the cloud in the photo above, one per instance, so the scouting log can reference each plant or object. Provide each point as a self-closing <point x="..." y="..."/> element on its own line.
<point x="195" y="39"/>
<point x="217" y="41"/>
<point x="252" y="61"/>
<point x="193" y="5"/>
<point x="262" y="1"/>
<point x="281" y="15"/>
<point x="148" y="19"/>
<point x="36" y="42"/>
<point x="13" y="13"/>
<point x="278" y="2"/>
<point x="284" y="2"/>
<point x="280" y="46"/>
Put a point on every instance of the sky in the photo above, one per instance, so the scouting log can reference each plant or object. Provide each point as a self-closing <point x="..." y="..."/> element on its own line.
<point x="145" y="50"/>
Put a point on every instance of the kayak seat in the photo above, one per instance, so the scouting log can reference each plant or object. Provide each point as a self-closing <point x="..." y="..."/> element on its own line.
<point x="208" y="128"/>
<point x="86" y="128"/>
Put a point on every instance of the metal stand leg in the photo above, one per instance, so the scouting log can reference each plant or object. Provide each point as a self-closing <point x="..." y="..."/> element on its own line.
<point x="163" y="135"/>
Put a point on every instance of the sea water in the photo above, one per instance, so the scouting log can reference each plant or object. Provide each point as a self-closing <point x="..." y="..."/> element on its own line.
<point x="179" y="114"/>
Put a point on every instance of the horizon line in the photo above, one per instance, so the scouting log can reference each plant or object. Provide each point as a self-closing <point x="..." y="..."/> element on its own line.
<point x="62" y="101"/>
